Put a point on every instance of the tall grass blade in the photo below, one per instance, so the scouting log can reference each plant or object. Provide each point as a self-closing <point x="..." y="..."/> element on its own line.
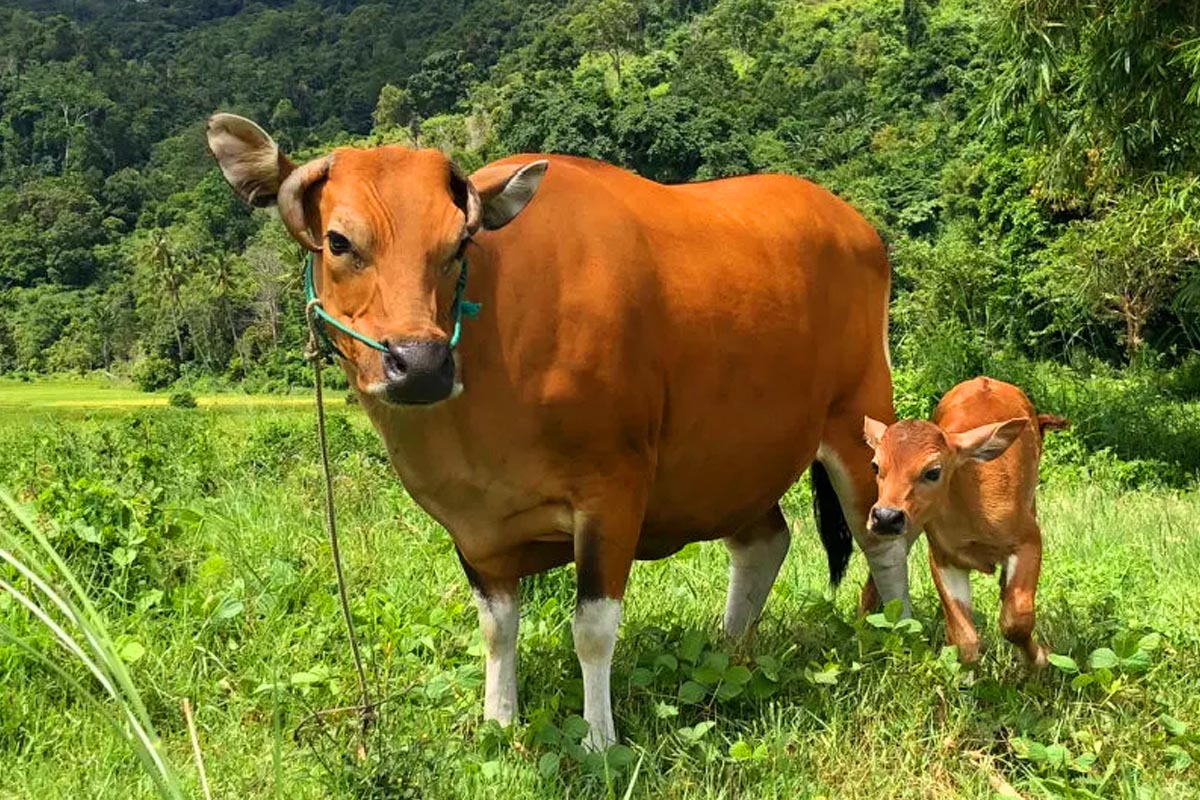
<point x="97" y="652"/>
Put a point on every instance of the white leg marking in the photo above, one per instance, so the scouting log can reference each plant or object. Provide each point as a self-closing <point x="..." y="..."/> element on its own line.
<point x="499" y="617"/>
<point x="595" y="629"/>
<point x="888" y="560"/>
<point x="887" y="557"/>
<point x="1010" y="569"/>
<point x="958" y="586"/>
<point x="752" y="571"/>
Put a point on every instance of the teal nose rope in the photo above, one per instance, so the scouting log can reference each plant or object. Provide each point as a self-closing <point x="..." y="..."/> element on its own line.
<point x="461" y="308"/>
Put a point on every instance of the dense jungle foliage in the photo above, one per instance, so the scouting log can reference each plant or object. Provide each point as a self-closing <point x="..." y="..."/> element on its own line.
<point x="1032" y="163"/>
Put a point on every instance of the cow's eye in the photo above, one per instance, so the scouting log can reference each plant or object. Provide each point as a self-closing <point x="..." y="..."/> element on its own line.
<point x="338" y="244"/>
<point x="933" y="474"/>
<point x="875" y="467"/>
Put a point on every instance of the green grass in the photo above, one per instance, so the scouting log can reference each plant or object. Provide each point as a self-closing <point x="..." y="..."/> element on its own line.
<point x="84" y="394"/>
<point x="198" y="532"/>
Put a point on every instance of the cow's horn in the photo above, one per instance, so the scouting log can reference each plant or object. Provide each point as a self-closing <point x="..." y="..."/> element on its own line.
<point x="291" y="200"/>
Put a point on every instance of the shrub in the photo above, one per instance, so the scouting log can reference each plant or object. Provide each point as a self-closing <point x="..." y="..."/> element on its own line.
<point x="155" y="373"/>
<point x="184" y="399"/>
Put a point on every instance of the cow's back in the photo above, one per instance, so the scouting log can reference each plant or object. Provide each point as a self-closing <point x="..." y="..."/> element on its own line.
<point x="720" y="319"/>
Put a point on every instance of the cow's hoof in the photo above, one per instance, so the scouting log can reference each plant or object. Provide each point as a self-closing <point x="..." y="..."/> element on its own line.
<point x="597" y="741"/>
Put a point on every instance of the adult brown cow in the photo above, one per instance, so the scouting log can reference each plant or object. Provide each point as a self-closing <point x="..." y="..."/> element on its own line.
<point x="653" y="365"/>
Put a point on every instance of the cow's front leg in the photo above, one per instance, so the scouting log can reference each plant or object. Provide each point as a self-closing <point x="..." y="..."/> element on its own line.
<point x="605" y="545"/>
<point x="499" y="604"/>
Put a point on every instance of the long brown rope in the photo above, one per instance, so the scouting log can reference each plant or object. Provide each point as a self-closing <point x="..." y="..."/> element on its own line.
<point x="315" y="356"/>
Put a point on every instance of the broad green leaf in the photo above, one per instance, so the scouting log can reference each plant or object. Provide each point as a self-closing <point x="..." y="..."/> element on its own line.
<point x="727" y="691"/>
<point x="619" y="756"/>
<point x="1103" y="658"/>
<point x="1084" y="762"/>
<point x="741" y="750"/>
<point x="574" y="727"/>
<point x="641" y="677"/>
<point x="548" y="764"/>
<point x="737" y="675"/>
<point x="665" y="710"/>
<point x="1173" y="726"/>
<point x="692" y="692"/>
<point x="1064" y="663"/>
<point x="893" y="610"/>
<point x="132" y="651"/>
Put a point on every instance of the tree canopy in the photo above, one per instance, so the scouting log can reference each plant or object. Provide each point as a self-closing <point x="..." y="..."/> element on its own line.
<point x="1032" y="163"/>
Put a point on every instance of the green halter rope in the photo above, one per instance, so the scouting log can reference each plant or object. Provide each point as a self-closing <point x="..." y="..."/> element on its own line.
<point x="460" y="308"/>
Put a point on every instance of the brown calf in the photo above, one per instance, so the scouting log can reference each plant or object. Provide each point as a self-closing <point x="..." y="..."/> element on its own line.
<point x="969" y="479"/>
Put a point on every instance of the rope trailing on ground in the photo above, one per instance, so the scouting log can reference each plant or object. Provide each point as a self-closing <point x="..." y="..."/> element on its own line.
<point x="316" y="356"/>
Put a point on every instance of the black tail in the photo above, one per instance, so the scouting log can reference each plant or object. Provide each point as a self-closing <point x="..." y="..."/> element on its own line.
<point x="831" y="523"/>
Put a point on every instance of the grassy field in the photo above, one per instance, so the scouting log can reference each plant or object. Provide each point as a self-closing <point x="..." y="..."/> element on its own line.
<point x="199" y="534"/>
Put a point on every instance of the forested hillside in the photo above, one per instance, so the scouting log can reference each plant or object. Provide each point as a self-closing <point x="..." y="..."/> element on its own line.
<point x="1033" y="165"/>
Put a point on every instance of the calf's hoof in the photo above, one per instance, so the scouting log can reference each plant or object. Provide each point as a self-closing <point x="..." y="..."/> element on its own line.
<point x="968" y="653"/>
<point x="1039" y="658"/>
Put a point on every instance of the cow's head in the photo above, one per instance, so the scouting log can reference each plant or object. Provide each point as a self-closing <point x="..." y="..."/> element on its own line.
<point x="389" y="227"/>
<point x="914" y="461"/>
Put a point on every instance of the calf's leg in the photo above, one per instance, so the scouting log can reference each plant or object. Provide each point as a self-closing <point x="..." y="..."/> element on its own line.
<point x="954" y="587"/>
<point x="1018" y="586"/>
<point x="755" y="554"/>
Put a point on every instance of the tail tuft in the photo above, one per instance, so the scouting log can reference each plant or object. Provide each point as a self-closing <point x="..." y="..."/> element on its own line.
<point x="831" y="523"/>
<point x="1050" y="422"/>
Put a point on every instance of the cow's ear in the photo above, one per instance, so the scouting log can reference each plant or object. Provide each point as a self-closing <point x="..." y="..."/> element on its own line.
<point x="987" y="442"/>
<point x="873" y="431"/>
<point x="248" y="157"/>
<point x="500" y="193"/>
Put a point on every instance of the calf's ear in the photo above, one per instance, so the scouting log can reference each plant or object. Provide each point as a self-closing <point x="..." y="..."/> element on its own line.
<point x="987" y="442"/>
<point x="498" y="194"/>
<point x="249" y="158"/>
<point x="873" y="431"/>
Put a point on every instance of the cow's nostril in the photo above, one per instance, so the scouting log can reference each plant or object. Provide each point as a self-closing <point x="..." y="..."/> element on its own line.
<point x="395" y="362"/>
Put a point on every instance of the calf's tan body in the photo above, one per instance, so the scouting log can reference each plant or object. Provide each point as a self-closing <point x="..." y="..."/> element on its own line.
<point x="968" y="478"/>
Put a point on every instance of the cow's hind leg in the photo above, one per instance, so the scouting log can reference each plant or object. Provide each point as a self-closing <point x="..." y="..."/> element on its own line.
<point x="605" y="546"/>
<point x="1018" y="586"/>
<point x="755" y="554"/>
<point x="499" y="604"/>
<point x="847" y="459"/>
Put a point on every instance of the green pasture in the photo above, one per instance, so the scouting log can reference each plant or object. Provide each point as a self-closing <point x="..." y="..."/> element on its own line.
<point x="198" y="534"/>
<point x="84" y="394"/>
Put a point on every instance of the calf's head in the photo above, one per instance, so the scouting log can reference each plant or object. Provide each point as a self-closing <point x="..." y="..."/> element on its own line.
<point x="914" y="461"/>
<point x="389" y="227"/>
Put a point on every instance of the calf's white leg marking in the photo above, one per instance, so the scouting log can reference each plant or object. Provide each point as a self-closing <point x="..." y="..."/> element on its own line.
<point x="595" y="630"/>
<point x="958" y="586"/>
<point x="499" y="617"/>
<point x="1010" y="569"/>
<point x="752" y="571"/>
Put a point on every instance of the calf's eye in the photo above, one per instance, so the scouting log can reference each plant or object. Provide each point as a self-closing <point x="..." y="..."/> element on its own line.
<point x="338" y="244"/>
<point x="875" y="467"/>
<point x="933" y="474"/>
